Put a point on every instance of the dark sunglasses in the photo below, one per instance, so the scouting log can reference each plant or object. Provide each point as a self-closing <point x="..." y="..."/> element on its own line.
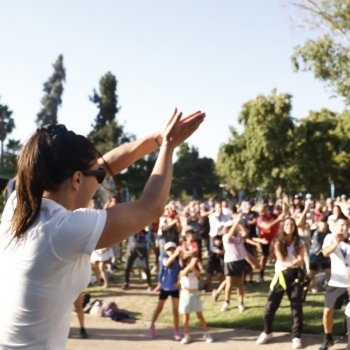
<point x="99" y="173"/>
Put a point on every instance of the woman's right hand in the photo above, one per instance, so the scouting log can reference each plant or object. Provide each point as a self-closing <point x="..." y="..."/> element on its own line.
<point x="178" y="129"/>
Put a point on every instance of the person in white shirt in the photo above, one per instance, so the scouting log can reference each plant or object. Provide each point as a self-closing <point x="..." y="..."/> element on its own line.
<point x="336" y="246"/>
<point x="47" y="233"/>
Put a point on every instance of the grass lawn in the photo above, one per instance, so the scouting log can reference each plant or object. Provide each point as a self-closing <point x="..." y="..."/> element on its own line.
<point x="141" y="304"/>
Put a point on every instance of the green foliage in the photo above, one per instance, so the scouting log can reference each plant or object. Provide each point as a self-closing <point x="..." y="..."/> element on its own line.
<point x="194" y="176"/>
<point x="7" y="124"/>
<point x="52" y="99"/>
<point x="260" y="156"/>
<point x="327" y="56"/>
<point x="10" y="157"/>
<point x="106" y="133"/>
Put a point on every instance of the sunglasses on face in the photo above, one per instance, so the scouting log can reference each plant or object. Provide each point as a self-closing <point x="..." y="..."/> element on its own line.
<point x="99" y="173"/>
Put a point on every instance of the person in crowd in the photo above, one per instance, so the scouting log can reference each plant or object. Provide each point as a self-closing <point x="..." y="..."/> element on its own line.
<point x="204" y="225"/>
<point x="328" y="208"/>
<point x="116" y="248"/>
<point x="317" y="259"/>
<point x="216" y="221"/>
<point x="78" y="305"/>
<point x="336" y="246"/>
<point x="171" y="226"/>
<point x="137" y="248"/>
<point x="268" y="225"/>
<point x="288" y="278"/>
<point x="249" y="219"/>
<point x="99" y="260"/>
<point x="215" y="263"/>
<point x="332" y="219"/>
<point x="169" y="287"/>
<point x="190" y="299"/>
<point x="47" y="234"/>
<point x="234" y="257"/>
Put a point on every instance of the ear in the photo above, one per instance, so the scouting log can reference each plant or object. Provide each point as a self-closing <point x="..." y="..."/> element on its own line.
<point x="76" y="180"/>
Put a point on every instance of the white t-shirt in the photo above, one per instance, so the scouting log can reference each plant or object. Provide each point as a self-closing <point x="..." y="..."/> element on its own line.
<point x="217" y="223"/>
<point x="44" y="273"/>
<point x="289" y="258"/>
<point x="340" y="260"/>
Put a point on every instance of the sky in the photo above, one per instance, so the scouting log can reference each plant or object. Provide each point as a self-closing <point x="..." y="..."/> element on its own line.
<point x="209" y="55"/>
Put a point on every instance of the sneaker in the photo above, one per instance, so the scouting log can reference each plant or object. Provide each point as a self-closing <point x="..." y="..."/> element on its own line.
<point x="225" y="306"/>
<point x="177" y="336"/>
<point x="241" y="308"/>
<point x="314" y="290"/>
<point x="263" y="338"/>
<point x="185" y="339"/>
<point x="152" y="331"/>
<point x="215" y="295"/>
<point x="208" y="338"/>
<point x="83" y="333"/>
<point x="260" y="280"/>
<point x="296" y="343"/>
<point x="326" y="344"/>
<point x="149" y="289"/>
<point x="125" y="286"/>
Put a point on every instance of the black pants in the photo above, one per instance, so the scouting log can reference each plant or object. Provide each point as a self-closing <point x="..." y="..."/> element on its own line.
<point x="295" y="295"/>
<point x="134" y="253"/>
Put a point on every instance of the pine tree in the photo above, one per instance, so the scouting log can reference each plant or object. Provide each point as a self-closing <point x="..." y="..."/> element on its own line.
<point x="52" y="99"/>
<point x="7" y="124"/>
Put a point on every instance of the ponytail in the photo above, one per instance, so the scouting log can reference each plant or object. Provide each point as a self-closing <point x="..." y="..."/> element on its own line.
<point x="49" y="157"/>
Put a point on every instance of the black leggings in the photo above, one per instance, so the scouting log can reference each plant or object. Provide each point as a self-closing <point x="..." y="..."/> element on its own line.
<point x="134" y="253"/>
<point x="295" y="296"/>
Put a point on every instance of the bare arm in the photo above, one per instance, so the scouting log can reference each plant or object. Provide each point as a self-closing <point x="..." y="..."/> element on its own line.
<point x="327" y="251"/>
<point x="297" y="262"/>
<point x="123" y="156"/>
<point x="127" y="218"/>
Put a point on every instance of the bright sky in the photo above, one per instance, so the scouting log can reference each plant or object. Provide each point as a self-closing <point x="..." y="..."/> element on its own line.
<point x="212" y="55"/>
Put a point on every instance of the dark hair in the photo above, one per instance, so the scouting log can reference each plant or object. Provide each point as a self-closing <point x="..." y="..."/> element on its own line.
<point x="49" y="157"/>
<point x="282" y="239"/>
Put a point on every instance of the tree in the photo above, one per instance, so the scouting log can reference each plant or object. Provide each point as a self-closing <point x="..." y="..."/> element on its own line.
<point x="10" y="156"/>
<point x="260" y="156"/>
<point x="327" y="56"/>
<point x="7" y="124"/>
<point x="52" y="99"/>
<point x="106" y="133"/>
<point x="194" y="176"/>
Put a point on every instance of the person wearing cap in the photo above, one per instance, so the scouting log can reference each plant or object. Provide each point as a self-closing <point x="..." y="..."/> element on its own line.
<point x="169" y="277"/>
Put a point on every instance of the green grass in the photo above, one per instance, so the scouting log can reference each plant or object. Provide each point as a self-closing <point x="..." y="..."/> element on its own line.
<point x="141" y="304"/>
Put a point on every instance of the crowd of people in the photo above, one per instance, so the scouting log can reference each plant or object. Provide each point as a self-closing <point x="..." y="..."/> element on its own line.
<point x="304" y="237"/>
<point x="50" y="232"/>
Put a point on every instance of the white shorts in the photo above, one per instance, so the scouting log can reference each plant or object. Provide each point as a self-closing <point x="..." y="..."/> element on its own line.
<point x="189" y="302"/>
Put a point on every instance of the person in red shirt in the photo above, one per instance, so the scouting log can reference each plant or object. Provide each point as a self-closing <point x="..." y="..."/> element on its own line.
<point x="268" y="225"/>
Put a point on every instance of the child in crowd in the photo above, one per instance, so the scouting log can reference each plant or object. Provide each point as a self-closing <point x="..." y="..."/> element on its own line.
<point x="169" y="277"/>
<point x="190" y="299"/>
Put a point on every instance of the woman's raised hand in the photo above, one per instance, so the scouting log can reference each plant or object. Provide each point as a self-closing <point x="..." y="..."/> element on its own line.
<point x="179" y="128"/>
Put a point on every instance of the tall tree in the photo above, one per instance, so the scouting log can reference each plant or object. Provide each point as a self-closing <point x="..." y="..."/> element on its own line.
<point x="194" y="176"/>
<point x="7" y="124"/>
<point x="52" y="99"/>
<point x="106" y="133"/>
<point x="328" y="55"/>
<point x="260" y="155"/>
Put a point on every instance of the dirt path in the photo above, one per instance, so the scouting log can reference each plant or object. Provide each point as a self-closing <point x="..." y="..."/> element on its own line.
<point x="105" y="334"/>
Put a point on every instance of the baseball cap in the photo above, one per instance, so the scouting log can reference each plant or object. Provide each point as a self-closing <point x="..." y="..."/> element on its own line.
<point x="169" y="245"/>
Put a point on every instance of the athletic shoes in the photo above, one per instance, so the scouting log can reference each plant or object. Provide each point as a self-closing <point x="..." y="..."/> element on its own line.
<point x="326" y="344"/>
<point x="215" y="295"/>
<point x="241" y="308"/>
<point x="83" y="333"/>
<point x="296" y="343"/>
<point x="208" y="338"/>
<point x="225" y="306"/>
<point x="152" y="331"/>
<point x="177" y="336"/>
<point x="185" y="339"/>
<point x="263" y="338"/>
